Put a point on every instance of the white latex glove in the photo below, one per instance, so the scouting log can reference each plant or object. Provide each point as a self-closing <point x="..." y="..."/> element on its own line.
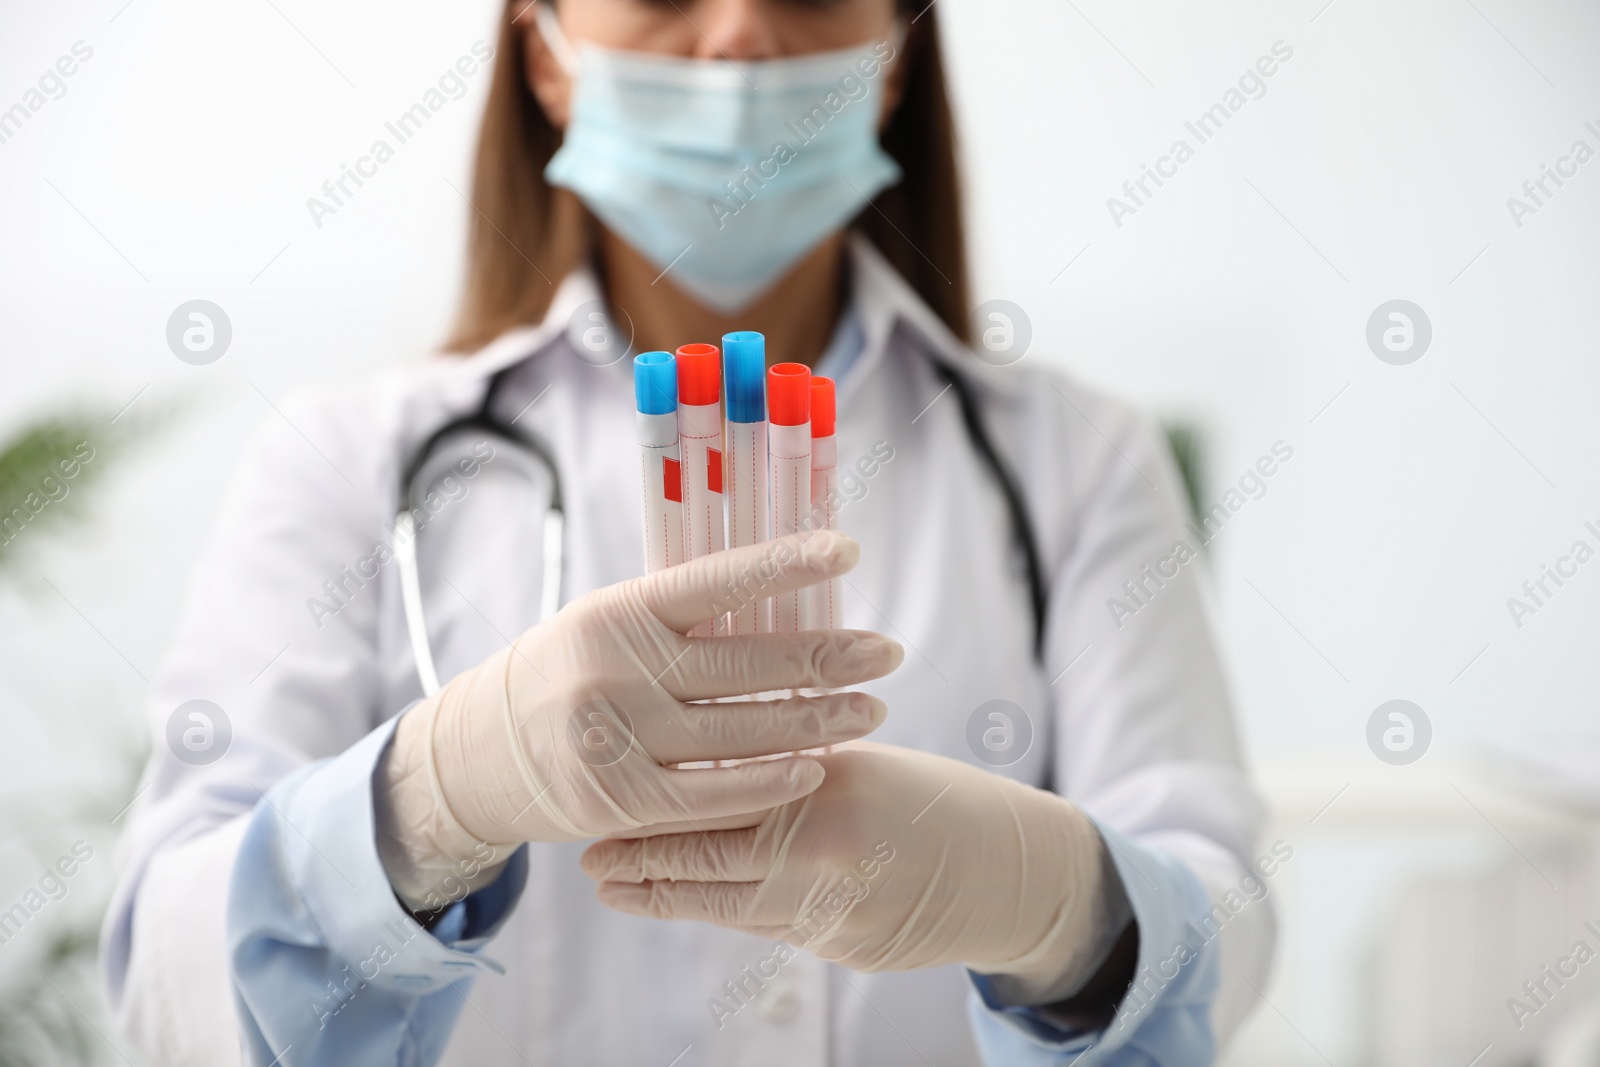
<point x="572" y="730"/>
<point x="900" y="860"/>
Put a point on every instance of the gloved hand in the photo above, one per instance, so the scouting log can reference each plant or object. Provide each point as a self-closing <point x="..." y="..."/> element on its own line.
<point x="900" y="860"/>
<point x="572" y="731"/>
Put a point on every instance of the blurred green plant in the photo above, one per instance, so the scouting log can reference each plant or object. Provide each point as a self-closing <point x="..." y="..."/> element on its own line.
<point x="37" y="1024"/>
<point x="48" y="472"/>
<point x="52" y="472"/>
<point x="1184" y="440"/>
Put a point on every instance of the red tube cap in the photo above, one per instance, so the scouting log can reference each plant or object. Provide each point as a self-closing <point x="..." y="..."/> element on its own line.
<point x="699" y="375"/>
<point x="789" y="394"/>
<point x="822" y="414"/>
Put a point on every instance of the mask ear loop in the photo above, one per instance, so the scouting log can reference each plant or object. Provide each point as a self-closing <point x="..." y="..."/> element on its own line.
<point x="555" y="38"/>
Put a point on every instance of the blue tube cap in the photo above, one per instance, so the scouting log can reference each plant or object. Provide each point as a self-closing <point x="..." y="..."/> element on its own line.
<point x="744" y="375"/>
<point x="655" y="383"/>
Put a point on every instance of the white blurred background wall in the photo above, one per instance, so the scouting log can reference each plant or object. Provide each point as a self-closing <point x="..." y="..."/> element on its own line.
<point x="1374" y="165"/>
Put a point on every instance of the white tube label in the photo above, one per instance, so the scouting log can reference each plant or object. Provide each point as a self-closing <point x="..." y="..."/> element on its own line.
<point x="700" y="448"/>
<point x="824" y="613"/>
<point x="661" y="480"/>
<point x="790" y="450"/>
<point x="749" y="522"/>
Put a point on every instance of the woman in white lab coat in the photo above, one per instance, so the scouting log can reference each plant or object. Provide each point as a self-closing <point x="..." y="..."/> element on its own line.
<point x="1039" y="852"/>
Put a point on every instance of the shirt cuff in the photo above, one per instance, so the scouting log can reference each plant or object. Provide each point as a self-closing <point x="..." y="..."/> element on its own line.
<point x="325" y="830"/>
<point x="1169" y="1001"/>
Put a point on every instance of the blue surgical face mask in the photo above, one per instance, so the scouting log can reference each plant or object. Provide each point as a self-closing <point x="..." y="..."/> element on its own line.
<point x="722" y="174"/>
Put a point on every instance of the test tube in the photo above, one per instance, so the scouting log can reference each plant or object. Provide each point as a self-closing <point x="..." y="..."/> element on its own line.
<point x="824" y="613"/>
<point x="744" y="373"/>
<point x="700" y="446"/>
<point x="655" y="391"/>
<point x="789" y="449"/>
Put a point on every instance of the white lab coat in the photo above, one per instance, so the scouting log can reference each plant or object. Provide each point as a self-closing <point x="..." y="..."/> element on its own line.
<point x="1132" y="723"/>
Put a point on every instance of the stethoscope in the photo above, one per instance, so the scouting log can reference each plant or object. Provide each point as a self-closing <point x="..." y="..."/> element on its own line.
<point x="428" y="464"/>
<point x="432" y="460"/>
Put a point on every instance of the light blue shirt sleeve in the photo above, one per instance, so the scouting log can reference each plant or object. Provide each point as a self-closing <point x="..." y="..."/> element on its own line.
<point x="328" y="967"/>
<point x="1164" y="1019"/>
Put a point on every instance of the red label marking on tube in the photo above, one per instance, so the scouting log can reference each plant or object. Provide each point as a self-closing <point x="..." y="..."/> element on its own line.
<point x="713" y="470"/>
<point x="672" y="480"/>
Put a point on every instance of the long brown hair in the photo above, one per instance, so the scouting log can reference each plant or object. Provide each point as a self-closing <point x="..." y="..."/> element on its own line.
<point x="524" y="235"/>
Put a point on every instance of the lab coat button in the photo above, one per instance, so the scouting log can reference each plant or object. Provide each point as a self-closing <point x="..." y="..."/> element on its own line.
<point x="778" y="1002"/>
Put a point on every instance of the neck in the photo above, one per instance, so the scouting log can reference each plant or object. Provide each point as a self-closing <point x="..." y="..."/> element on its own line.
<point x="797" y="315"/>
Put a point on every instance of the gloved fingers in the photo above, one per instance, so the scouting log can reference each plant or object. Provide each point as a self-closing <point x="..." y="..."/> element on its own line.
<point x="723" y="903"/>
<point x="713" y="667"/>
<point x="781" y="932"/>
<point x="724" y="856"/>
<point x="748" y="728"/>
<point x="702" y="589"/>
<point x="700" y="826"/>
<point x="676" y="795"/>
